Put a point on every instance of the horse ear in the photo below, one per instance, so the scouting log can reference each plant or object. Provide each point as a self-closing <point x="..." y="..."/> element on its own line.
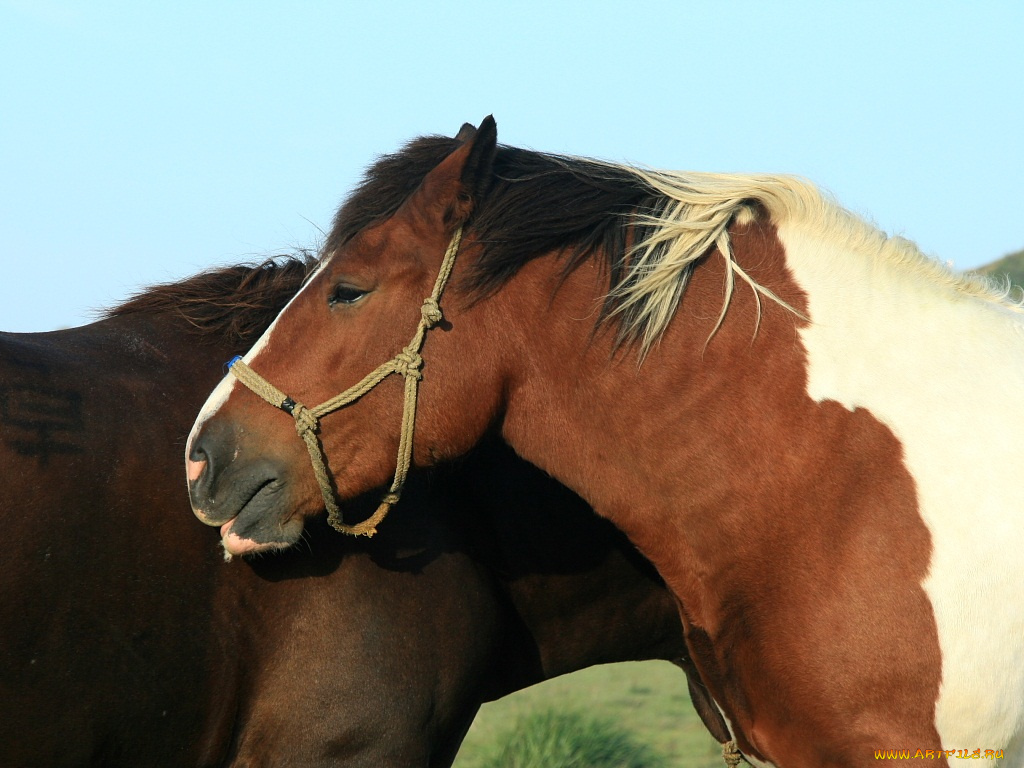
<point x="478" y="172"/>
<point x="455" y="187"/>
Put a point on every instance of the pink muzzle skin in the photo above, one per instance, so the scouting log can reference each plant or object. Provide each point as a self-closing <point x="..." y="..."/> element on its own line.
<point x="235" y="544"/>
<point x="193" y="469"/>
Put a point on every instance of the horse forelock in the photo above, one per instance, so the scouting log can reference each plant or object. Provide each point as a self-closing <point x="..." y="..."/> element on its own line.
<point x="650" y="226"/>
<point x="232" y="302"/>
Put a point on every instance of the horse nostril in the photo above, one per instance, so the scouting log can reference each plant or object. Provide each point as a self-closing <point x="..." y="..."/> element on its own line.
<point x="196" y="463"/>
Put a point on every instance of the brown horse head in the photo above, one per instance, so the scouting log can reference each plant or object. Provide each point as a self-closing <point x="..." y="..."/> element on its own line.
<point x="247" y="471"/>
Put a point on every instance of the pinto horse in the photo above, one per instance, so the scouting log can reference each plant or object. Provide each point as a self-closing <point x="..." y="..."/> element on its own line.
<point x="125" y="640"/>
<point x="809" y="428"/>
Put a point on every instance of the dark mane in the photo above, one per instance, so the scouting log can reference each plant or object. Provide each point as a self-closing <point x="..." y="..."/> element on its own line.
<point x="239" y="301"/>
<point x="537" y="203"/>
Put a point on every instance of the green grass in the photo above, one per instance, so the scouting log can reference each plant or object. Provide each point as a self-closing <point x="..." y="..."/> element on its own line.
<point x="570" y="739"/>
<point x="646" y="699"/>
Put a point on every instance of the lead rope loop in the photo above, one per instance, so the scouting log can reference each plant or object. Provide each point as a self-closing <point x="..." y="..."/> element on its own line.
<point x="408" y="363"/>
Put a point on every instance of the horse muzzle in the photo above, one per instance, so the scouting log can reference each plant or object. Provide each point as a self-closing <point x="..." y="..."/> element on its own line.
<point x="223" y="485"/>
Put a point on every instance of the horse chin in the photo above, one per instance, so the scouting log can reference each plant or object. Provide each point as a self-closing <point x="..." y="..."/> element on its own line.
<point x="250" y="540"/>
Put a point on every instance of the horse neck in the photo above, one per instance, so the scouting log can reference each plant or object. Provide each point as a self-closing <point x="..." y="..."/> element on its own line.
<point x="640" y="440"/>
<point x="716" y="431"/>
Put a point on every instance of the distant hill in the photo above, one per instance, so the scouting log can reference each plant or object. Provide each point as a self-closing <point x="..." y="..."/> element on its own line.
<point x="1012" y="265"/>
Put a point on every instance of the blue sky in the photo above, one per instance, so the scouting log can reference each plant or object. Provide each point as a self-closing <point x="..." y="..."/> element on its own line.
<point x="142" y="142"/>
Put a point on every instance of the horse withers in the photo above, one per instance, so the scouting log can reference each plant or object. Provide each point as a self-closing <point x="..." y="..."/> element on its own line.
<point x="805" y="425"/>
<point x="125" y="640"/>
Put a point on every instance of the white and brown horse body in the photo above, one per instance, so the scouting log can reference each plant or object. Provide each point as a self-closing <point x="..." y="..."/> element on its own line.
<point x="822" y="474"/>
<point x="845" y="483"/>
<point x="944" y="373"/>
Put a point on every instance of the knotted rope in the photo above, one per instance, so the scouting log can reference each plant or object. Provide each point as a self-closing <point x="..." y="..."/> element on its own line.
<point x="731" y="754"/>
<point x="408" y="363"/>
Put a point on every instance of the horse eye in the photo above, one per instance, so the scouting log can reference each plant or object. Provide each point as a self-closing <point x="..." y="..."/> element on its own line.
<point x="345" y="294"/>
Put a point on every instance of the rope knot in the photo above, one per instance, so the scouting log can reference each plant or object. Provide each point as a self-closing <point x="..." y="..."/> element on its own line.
<point x="408" y="363"/>
<point x="305" y="421"/>
<point x="431" y="312"/>
<point x="731" y="754"/>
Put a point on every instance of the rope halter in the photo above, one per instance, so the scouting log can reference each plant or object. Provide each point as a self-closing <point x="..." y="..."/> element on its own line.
<point x="408" y="364"/>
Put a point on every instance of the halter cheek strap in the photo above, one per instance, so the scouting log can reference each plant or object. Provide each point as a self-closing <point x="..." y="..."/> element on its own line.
<point x="408" y="363"/>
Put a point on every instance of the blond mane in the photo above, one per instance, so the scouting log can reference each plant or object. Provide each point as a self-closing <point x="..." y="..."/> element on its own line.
<point x="695" y="217"/>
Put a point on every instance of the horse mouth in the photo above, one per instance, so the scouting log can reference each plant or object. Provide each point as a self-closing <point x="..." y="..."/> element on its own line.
<point x="258" y="526"/>
<point x="261" y="497"/>
<point x="235" y="544"/>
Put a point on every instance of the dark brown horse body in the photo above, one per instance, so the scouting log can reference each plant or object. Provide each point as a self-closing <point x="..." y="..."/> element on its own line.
<point x="125" y="640"/>
<point x="807" y="458"/>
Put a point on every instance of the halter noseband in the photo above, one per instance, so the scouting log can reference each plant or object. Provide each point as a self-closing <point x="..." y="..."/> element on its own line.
<point x="407" y="363"/>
